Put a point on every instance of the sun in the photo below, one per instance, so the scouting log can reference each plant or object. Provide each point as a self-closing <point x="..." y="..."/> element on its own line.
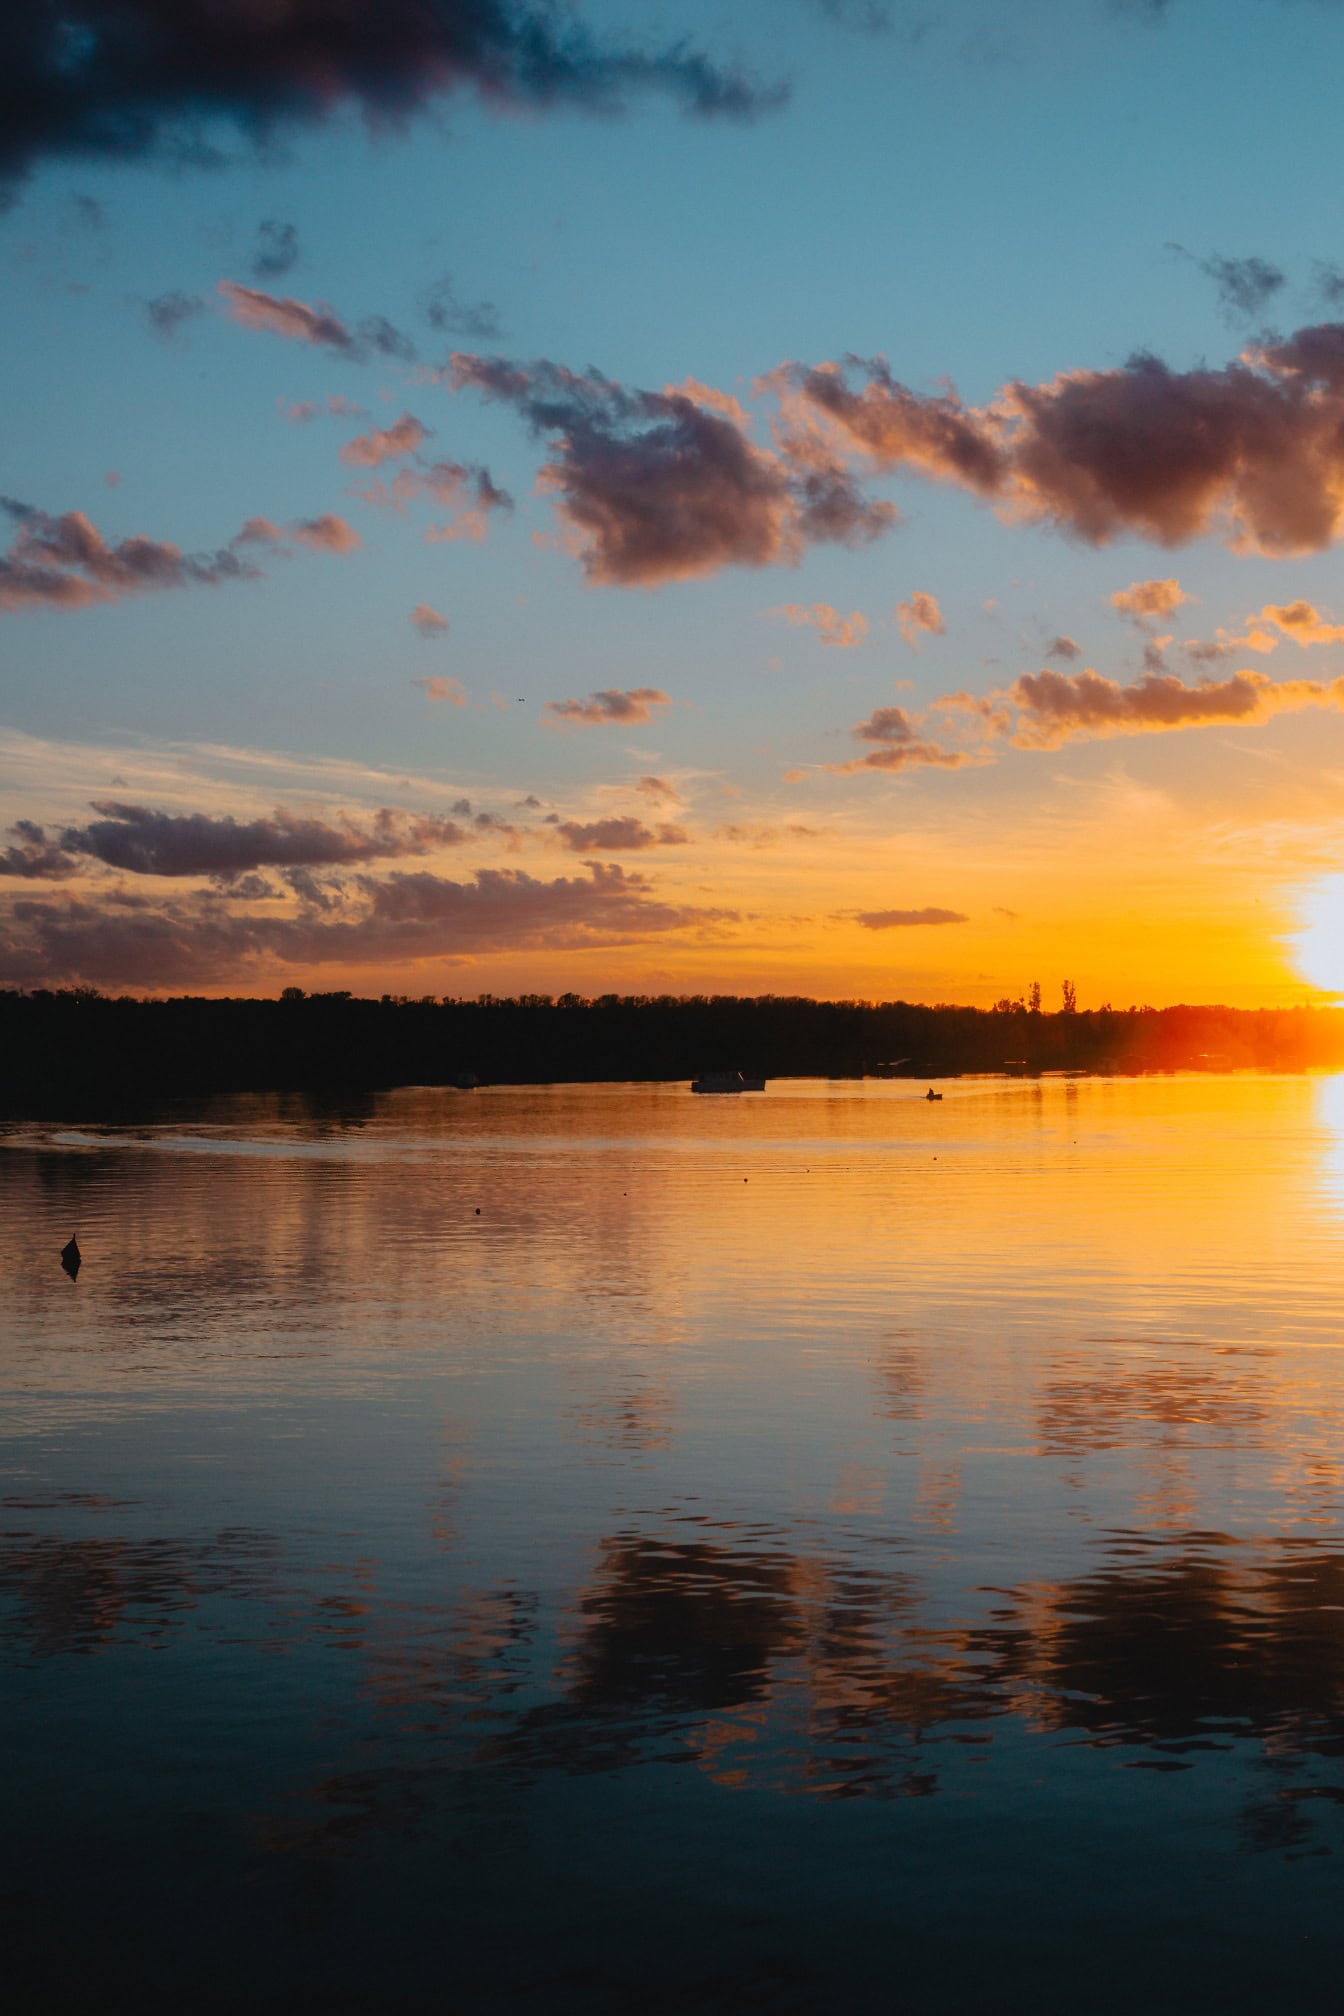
<point x="1320" y="940"/>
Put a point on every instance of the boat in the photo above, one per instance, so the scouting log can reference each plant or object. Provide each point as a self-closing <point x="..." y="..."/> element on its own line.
<point x="726" y="1081"/>
<point x="71" y="1256"/>
<point x="931" y="1094"/>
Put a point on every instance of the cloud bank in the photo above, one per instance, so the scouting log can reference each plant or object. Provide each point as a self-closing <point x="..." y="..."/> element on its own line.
<point x="133" y="80"/>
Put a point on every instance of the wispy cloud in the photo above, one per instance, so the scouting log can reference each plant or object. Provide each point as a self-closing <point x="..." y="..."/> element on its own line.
<point x="844" y="632"/>
<point x="896" y="920"/>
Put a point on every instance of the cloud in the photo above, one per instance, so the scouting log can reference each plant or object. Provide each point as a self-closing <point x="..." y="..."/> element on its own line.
<point x="327" y="534"/>
<point x="195" y="940"/>
<point x="609" y="708"/>
<point x="1254" y="449"/>
<point x="900" y="746"/>
<point x="618" y="836"/>
<point x="439" y="688"/>
<point x="300" y="412"/>
<point x="663" y="486"/>
<point x="35" y="858"/>
<point x="832" y="628"/>
<point x="443" y="311"/>
<point x="277" y="249"/>
<point x="1057" y="707"/>
<point x="466" y="490"/>
<point x="429" y="622"/>
<point x="1245" y="286"/>
<point x="167" y="313"/>
<point x="282" y="315"/>
<point x="1143" y="601"/>
<point x="137" y="79"/>
<point x="142" y="841"/>
<point x="891" y="920"/>
<point x="1063" y="647"/>
<point x="66" y="563"/>
<point x="1302" y="622"/>
<point x="659" y="790"/>
<point x="385" y="444"/>
<point x="920" y="616"/>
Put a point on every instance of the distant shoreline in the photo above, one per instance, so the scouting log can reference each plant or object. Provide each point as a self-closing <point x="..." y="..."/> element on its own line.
<point x="74" y="1049"/>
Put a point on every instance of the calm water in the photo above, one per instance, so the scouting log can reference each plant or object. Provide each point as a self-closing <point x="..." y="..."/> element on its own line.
<point x="799" y="1552"/>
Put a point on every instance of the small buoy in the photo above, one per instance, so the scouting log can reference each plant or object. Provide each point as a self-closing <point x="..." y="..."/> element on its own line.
<point x="71" y="1256"/>
<point x="478" y="1210"/>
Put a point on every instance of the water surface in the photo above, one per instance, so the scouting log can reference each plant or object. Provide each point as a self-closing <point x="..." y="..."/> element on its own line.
<point x="595" y="1548"/>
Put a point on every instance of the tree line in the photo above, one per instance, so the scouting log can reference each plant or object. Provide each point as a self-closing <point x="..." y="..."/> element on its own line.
<point x="70" y="1049"/>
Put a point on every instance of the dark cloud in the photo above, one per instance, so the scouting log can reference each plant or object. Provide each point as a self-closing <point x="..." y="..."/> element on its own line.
<point x="166" y="313"/>
<point x="609" y="708"/>
<point x="891" y="920"/>
<point x="66" y="563"/>
<point x="1256" y="447"/>
<point x="662" y="486"/>
<point x="33" y="856"/>
<point x="139" y="79"/>
<point x="618" y="836"/>
<point x="1329" y="282"/>
<point x="478" y="320"/>
<point x="144" y="842"/>
<point x="379" y="336"/>
<point x="196" y="940"/>
<point x="277" y="249"/>
<point x="1245" y="286"/>
<point x="900" y="745"/>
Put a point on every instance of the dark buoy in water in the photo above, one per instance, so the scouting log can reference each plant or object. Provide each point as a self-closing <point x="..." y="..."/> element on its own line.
<point x="70" y="1257"/>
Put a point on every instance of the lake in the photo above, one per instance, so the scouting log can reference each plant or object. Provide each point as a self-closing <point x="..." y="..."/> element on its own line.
<point x="594" y="1548"/>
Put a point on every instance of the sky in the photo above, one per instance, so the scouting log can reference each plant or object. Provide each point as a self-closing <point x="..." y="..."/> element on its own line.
<point x="737" y="496"/>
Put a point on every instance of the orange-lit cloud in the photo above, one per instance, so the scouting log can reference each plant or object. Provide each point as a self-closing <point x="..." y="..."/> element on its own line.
<point x="832" y="628"/>
<point x="385" y="444"/>
<point x="1056" y="707"/>
<point x="467" y="491"/>
<point x="429" y="622"/>
<point x="449" y="690"/>
<point x="1255" y="448"/>
<point x="920" y="616"/>
<point x="282" y="315"/>
<point x="1303" y="623"/>
<point x="609" y="708"/>
<point x="327" y="534"/>
<point x="1143" y="601"/>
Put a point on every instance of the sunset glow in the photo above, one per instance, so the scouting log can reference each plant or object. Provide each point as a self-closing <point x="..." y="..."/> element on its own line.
<point x="562" y="553"/>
